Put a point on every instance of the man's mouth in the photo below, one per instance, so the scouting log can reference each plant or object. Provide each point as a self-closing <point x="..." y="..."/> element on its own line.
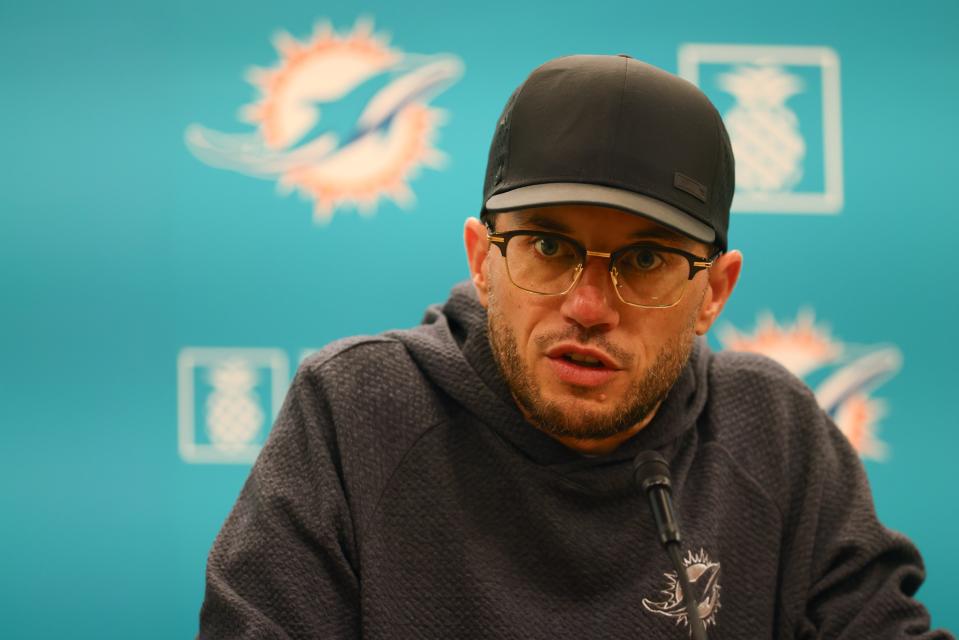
<point x="582" y="356"/>
<point x="583" y="360"/>
<point x="581" y="366"/>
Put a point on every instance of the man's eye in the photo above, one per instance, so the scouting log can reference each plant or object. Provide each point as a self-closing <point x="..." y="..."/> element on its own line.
<point x="644" y="259"/>
<point x="547" y="247"/>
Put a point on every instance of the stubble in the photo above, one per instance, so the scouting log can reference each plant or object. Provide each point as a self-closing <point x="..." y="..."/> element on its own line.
<point x="593" y="420"/>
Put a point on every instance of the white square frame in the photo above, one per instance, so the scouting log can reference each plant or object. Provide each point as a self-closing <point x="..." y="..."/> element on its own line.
<point x="831" y="199"/>
<point x="188" y="360"/>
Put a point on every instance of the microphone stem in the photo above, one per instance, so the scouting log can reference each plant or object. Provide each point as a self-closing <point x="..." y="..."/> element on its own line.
<point x="692" y="609"/>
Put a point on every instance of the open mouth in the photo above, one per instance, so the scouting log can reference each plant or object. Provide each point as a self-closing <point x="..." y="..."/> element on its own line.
<point x="583" y="360"/>
<point x="584" y="370"/>
<point x="582" y="366"/>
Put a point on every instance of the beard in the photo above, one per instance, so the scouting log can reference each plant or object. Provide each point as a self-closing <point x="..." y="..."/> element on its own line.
<point x="642" y="397"/>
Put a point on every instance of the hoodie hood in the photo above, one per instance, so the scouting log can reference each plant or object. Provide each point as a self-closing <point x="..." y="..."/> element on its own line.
<point x="453" y="350"/>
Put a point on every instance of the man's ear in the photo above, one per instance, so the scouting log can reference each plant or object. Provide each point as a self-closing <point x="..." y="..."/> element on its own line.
<point x="722" y="279"/>
<point x="477" y="250"/>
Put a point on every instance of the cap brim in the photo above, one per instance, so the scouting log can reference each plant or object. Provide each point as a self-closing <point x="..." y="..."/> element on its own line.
<point x="560" y="193"/>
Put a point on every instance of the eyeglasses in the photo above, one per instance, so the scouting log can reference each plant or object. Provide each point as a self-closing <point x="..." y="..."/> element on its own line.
<point x="644" y="274"/>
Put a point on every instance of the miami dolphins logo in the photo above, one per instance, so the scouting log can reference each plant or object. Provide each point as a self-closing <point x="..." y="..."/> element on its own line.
<point x="853" y="372"/>
<point x="376" y="153"/>
<point x="704" y="578"/>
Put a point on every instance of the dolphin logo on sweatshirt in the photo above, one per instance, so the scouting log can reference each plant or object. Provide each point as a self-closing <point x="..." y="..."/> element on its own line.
<point x="704" y="577"/>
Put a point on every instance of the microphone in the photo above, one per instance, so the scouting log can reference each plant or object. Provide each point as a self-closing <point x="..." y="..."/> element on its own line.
<point x="651" y="474"/>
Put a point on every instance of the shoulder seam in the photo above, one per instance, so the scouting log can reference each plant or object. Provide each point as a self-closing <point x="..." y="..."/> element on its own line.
<point x="321" y="362"/>
<point x="399" y="465"/>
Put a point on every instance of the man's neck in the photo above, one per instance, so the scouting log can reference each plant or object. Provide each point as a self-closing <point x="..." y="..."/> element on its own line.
<point x="595" y="446"/>
<point x="605" y="446"/>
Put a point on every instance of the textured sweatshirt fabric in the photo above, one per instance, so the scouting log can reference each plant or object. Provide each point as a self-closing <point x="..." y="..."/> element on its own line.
<point x="401" y="494"/>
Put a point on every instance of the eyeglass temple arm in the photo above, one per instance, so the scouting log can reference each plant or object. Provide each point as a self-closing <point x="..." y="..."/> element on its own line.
<point x="695" y="266"/>
<point x="500" y="242"/>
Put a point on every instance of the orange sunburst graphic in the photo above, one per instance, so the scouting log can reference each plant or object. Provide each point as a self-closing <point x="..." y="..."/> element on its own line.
<point x="379" y="167"/>
<point x="857" y="418"/>
<point x="852" y="373"/>
<point x="392" y="139"/>
<point x="801" y="347"/>
<point x="325" y="66"/>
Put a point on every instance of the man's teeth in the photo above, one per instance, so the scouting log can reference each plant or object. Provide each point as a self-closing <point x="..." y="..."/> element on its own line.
<point x="583" y="359"/>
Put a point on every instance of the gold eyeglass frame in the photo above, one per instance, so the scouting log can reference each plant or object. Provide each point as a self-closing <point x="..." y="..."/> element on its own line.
<point x="696" y="263"/>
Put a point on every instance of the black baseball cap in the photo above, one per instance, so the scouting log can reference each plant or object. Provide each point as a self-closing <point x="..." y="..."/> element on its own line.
<point x="615" y="132"/>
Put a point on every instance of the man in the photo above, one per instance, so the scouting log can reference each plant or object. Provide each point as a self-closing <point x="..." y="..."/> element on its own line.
<point x="472" y="477"/>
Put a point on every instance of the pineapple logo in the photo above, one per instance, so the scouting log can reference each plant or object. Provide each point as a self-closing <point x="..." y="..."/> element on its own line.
<point x="763" y="131"/>
<point x="382" y="146"/>
<point x="233" y="414"/>
<point x="226" y="398"/>
<point x="781" y="105"/>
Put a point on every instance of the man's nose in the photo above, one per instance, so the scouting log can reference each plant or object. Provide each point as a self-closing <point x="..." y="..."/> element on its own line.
<point x="592" y="302"/>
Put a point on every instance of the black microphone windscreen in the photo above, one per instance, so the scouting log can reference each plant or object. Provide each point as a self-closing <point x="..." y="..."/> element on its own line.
<point x="650" y="468"/>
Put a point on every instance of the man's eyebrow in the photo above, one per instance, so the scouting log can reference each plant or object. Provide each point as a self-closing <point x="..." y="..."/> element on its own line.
<point x="657" y="232"/>
<point x="539" y="220"/>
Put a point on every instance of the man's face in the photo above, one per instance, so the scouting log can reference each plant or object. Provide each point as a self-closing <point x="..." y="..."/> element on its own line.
<point x="537" y="340"/>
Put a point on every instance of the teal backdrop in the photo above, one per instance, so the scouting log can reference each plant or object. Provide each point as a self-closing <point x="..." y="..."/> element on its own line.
<point x="137" y="274"/>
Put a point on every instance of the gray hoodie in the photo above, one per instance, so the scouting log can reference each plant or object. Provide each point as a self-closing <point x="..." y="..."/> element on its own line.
<point x="401" y="494"/>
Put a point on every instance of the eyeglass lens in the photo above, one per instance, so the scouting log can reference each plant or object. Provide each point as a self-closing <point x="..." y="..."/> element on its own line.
<point x="550" y="264"/>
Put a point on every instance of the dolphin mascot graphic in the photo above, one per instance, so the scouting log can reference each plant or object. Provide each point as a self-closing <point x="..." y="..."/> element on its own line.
<point x="390" y="139"/>
<point x="704" y="576"/>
